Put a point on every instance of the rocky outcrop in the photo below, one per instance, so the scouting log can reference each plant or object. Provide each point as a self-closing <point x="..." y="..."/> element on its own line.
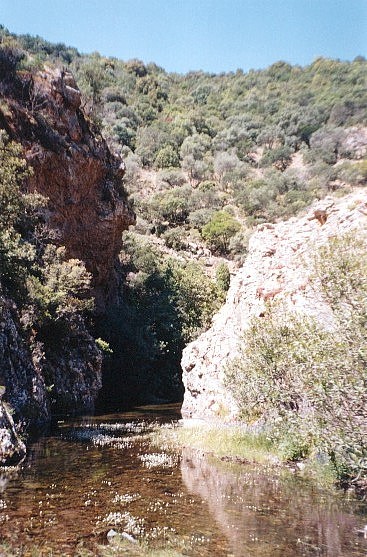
<point x="277" y="267"/>
<point x="72" y="167"/>
<point x="66" y="379"/>
<point x="12" y="448"/>
<point x="20" y="370"/>
<point x="87" y="211"/>
<point x="74" y="375"/>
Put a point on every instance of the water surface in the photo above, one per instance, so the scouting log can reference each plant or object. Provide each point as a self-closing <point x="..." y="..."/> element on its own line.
<point x="97" y="474"/>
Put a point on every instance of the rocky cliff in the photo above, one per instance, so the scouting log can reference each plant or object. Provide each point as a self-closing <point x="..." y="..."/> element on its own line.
<point x="277" y="267"/>
<point x="72" y="167"/>
<point x="87" y="211"/>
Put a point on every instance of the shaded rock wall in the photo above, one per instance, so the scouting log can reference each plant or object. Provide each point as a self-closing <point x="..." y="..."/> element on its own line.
<point x="38" y="384"/>
<point x="20" y="370"/>
<point x="278" y="267"/>
<point x="12" y="449"/>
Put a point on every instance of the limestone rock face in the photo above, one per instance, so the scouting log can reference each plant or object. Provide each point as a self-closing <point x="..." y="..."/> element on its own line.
<point x="355" y="141"/>
<point x="73" y="168"/>
<point x="278" y="266"/>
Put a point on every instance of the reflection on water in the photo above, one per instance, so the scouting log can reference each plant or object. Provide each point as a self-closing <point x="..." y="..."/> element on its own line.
<point x="101" y="473"/>
<point x="265" y="513"/>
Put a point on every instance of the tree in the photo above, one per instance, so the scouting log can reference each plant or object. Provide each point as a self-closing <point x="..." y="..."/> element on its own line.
<point x="167" y="157"/>
<point x="228" y="168"/>
<point x="219" y="230"/>
<point x="279" y="157"/>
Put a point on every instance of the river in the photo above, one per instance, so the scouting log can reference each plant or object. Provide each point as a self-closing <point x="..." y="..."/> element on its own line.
<point x="98" y="474"/>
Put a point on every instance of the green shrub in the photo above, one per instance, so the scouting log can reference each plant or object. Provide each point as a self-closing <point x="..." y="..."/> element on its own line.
<point x="353" y="173"/>
<point x="62" y="288"/>
<point x="18" y="218"/>
<point x="223" y="277"/>
<point x="308" y="383"/>
<point x="175" y="238"/>
<point x="167" y="157"/>
<point x="219" y="230"/>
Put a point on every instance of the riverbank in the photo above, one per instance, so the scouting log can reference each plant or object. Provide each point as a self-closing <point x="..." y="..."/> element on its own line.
<point x="236" y="444"/>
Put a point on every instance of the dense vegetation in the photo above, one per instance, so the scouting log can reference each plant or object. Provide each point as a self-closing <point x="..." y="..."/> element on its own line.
<point x="306" y="384"/>
<point x="258" y="145"/>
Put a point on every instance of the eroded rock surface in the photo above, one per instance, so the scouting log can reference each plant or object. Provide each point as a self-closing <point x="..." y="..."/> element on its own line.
<point x="87" y="212"/>
<point x="73" y="168"/>
<point x="278" y="266"/>
<point x="38" y="384"/>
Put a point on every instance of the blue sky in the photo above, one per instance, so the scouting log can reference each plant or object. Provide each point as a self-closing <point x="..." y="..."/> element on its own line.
<point x="212" y="35"/>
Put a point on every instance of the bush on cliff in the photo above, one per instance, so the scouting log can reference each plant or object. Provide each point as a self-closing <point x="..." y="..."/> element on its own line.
<point x="49" y="289"/>
<point x="307" y="384"/>
<point x="17" y="218"/>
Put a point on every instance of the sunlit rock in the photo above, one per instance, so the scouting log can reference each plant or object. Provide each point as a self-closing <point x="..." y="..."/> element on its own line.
<point x="278" y="267"/>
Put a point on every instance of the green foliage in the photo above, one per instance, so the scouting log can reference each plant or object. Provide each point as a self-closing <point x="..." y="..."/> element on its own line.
<point x="219" y="230"/>
<point x="184" y="287"/>
<point x="104" y="346"/>
<point x="167" y="303"/>
<point x="17" y="217"/>
<point x="175" y="238"/>
<point x="236" y="130"/>
<point x="167" y="157"/>
<point x="353" y="173"/>
<point x="171" y="206"/>
<point x="149" y="141"/>
<point x="280" y="157"/>
<point x="61" y="289"/>
<point x="308" y="384"/>
<point x="223" y="277"/>
<point x="13" y="171"/>
<point x="52" y="292"/>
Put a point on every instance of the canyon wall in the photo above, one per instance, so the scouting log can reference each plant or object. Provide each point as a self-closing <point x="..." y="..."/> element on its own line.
<point x="87" y="211"/>
<point x="278" y="267"/>
<point x="72" y="167"/>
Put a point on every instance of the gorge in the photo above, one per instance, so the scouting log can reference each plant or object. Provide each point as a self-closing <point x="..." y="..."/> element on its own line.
<point x="150" y="223"/>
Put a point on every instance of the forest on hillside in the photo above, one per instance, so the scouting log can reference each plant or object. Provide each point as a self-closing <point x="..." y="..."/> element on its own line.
<point x="206" y="152"/>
